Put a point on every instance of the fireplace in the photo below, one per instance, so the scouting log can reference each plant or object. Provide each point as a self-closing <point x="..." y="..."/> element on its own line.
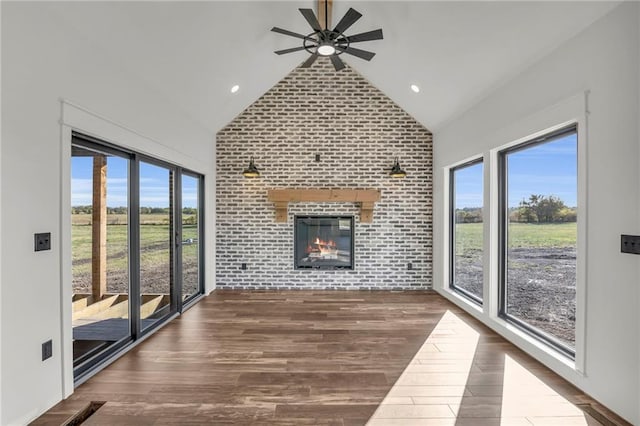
<point x="323" y="242"/>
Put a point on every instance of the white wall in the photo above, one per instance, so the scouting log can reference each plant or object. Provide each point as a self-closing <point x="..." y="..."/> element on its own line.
<point x="0" y="231"/>
<point x="604" y="60"/>
<point x="41" y="63"/>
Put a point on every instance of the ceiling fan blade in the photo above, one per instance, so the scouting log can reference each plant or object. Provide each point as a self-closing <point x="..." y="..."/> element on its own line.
<point x="311" y="19"/>
<point x="309" y="61"/>
<point x="290" y="33"/>
<point x="364" y="54"/>
<point x="368" y="36"/>
<point x="337" y="62"/>
<point x="347" y="20"/>
<point x="293" y="49"/>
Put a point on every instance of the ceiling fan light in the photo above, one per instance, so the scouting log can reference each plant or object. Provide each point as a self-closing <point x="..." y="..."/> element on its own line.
<point x="326" y="50"/>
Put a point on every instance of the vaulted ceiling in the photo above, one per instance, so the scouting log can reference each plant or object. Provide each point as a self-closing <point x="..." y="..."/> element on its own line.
<point x="456" y="52"/>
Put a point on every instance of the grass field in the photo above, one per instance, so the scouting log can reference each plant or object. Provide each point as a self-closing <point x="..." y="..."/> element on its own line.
<point x="521" y="235"/>
<point x="121" y="219"/>
<point x="154" y="246"/>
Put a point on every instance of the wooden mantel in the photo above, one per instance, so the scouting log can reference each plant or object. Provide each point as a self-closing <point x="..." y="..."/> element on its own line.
<point x="365" y="197"/>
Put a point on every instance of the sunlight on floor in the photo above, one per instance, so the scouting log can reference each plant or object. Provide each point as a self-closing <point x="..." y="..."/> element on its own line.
<point x="457" y="379"/>
<point x="526" y="396"/>
<point x="433" y="384"/>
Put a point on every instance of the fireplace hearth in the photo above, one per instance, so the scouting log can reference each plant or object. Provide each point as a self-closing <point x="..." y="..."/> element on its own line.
<point x="323" y="242"/>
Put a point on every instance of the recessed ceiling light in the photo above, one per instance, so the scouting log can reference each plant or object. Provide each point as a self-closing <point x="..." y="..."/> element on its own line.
<point x="235" y="88"/>
<point x="415" y="88"/>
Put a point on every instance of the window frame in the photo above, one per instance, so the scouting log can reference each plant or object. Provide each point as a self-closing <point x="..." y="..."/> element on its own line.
<point x="503" y="222"/>
<point x="452" y="228"/>
<point x="189" y="301"/>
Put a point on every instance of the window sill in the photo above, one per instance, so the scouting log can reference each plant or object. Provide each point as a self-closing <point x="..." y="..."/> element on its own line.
<point x="539" y="344"/>
<point x="468" y="302"/>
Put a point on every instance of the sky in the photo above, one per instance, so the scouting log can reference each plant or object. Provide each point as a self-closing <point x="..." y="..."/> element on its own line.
<point x="547" y="169"/>
<point x="154" y="184"/>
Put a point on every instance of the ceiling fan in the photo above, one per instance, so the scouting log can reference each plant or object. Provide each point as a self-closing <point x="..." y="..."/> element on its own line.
<point x="332" y="43"/>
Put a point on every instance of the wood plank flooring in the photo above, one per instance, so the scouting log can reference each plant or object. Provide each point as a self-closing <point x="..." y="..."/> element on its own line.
<point x="327" y="358"/>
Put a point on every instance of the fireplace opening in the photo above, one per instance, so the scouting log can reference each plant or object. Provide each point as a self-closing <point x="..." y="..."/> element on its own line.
<point x="323" y="242"/>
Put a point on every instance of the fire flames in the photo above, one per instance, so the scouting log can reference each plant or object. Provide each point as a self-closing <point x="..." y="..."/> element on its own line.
<point x="322" y="249"/>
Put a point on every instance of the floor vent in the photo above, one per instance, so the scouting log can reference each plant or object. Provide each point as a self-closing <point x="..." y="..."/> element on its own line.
<point x="84" y="414"/>
<point x="597" y="415"/>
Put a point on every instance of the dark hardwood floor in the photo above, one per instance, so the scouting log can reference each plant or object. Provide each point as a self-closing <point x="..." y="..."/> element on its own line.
<point x="328" y="358"/>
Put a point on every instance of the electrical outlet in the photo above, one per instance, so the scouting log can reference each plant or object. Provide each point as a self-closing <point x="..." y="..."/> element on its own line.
<point x="42" y="241"/>
<point x="243" y="266"/>
<point x="317" y="157"/>
<point x="47" y="350"/>
<point x="409" y="266"/>
<point x="630" y="244"/>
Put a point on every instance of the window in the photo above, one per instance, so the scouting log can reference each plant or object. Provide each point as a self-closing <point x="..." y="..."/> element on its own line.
<point x="136" y="246"/>
<point x="466" y="196"/>
<point x="538" y="237"/>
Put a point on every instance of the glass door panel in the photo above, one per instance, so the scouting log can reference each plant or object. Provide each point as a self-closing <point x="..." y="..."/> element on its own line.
<point x="156" y="248"/>
<point x="190" y="236"/>
<point x="100" y="252"/>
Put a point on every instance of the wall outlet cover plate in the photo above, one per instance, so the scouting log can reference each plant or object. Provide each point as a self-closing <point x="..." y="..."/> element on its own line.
<point x="42" y="241"/>
<point x="630" y="244"/>
<point x="47" y="350"/>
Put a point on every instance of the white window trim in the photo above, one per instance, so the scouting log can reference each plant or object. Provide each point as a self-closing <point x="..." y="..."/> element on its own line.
<point x="573" y="110"/>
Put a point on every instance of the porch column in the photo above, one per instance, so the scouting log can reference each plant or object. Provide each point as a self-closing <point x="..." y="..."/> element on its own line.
<point x="99" y="229"/>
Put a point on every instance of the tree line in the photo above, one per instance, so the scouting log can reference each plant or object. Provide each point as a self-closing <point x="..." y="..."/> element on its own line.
<point x="543" y="209"/>
<point x="123" y="210"/>
<point x="536" y="209"/>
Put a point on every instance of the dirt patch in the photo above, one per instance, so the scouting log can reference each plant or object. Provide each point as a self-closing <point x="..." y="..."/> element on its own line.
<point x="541" y="286"/>
<point x="542" y="289"/>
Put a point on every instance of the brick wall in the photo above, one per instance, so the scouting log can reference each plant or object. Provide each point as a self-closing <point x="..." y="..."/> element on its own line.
<point x="357" y="131"/>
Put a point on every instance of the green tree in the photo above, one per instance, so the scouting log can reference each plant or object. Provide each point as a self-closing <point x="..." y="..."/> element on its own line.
<point x="469" y="215"/>
<point x="526" y="210"/>
<point x="567" y="214"/>
<point x="548" y="209"/>
<point x="543" y="209"/>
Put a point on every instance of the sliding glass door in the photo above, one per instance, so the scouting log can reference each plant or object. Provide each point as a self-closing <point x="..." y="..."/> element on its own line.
<point x="136" y="246"/>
